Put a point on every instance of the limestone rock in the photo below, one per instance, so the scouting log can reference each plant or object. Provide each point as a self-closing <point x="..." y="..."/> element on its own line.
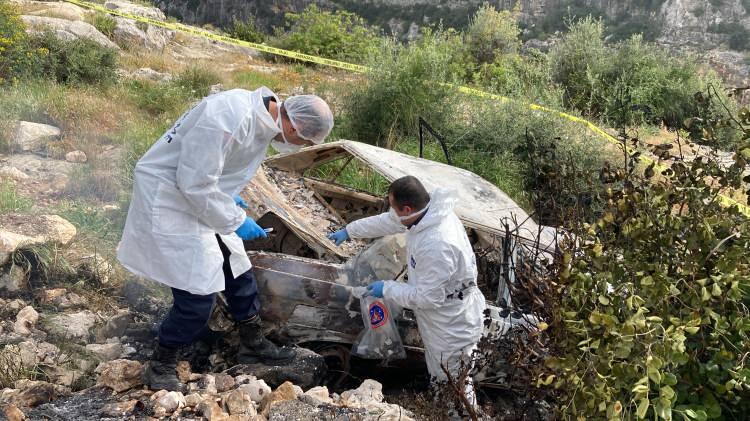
<point x="120" y="375"/>
<point x="15" y="305"/>
<point x="128" y="33"/>
<point x="183" y="371"/>
<point x="34" y="394"/>
<point x="169" y="403"/>
<point x="369" y="392"/>
<point x="116" y="326"/>
<point x="239" y="403"/>
<point x="12" y="413"/>
<point x="76" y="156"/>
<point x="285" y="392"/>
<point x="207" y="383"/>
<point x="60" y="297"/>
<point x="106" y="352"/>
<point x="224" y="382"/>
<point x="212" y="411"/>
<point x="121" y="409"/>
<point x="25" y="321"/>
<point x="320" y="394"/>
<point x="71" y="325"/>
<point x="193" y="400"/>
<point x="12" y="173"/>
<point x="95" y="267"/>
<point x="135" y="9"/>
<point x="13" y="280"/>
<point x="68" y="30"/>
<point x="17" y="230"/>
<point x="50" y="174"/>
<point x="51" y="9"/>
<point x="298" y="391"/>
<point x="32" y="137"/>
<point x="146" y="73"/>
<point x="256" y="389"/>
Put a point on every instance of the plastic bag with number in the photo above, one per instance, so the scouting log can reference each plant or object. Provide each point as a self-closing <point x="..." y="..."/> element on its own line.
<point x="380" y="338"/>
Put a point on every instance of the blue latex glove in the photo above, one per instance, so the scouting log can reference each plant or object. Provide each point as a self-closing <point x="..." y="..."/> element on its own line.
<point x="339" y="236"/>
<point x="239" y="202"/>
<point x="249" y="230"/>
<point x="376" y="289"/>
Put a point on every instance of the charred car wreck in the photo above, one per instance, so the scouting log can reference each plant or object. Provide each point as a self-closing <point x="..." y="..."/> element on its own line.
<point x="306" y="282"/>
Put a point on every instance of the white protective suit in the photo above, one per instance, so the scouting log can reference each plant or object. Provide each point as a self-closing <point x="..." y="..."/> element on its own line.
<point x="183" y="192"/>
<point x="441" y="267"/>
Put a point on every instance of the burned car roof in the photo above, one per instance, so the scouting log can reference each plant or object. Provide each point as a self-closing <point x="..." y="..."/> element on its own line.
<point x="481" y="205"/>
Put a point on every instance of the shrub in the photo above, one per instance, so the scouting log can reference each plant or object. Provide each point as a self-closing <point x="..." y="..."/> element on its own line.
<point x="653" y="319"/>
<point x="157" y="98"/>
<point x="402" y="84"/>
<point x="75" y="61"/>
<point x="103" y="23"/>
<point x="18" y="60"/>
<point x="491" y="34"/>
<point x="578" y="62"/>
<point x="246" y="31"/>
<point x="197" y="80"/>
<point x="525" y="77"/>
<point x="339" y="35"/>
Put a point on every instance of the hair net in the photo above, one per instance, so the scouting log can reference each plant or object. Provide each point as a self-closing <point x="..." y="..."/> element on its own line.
<point x="311" y="116"/>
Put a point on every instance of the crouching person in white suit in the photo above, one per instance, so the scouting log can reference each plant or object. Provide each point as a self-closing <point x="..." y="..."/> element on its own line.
<point x="442" y="274"/>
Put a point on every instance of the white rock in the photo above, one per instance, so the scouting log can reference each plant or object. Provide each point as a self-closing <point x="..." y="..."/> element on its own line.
<point x="12" y="173"/>
<point x="68" y="30"/>
<point x="16" y="305"/>
<point x="76" y="156"/>
<point x="55" y="10"/>
<point x="72" y="325"/>
<point x="170" y="402"/>
<point x="237" y="402"/>
<point x="33" y="136"/>
<point x="298" y="391"/>
<point x="14" y="279"/>
<point x="207" y="383"/>
<point x="18" y="230"/>
<point x="146" y="73"/>
<point x="106" y="352"/>
<point x="135" y="9"/>
<point x="25" y="320"/>
<point x="47" y="171"/>
<point x="256" y="389"/>
<point x="120" y="375"/>
<point x="193" y="399"/>
<point x="96" y="267"/>
<point x="368" y="393"/>
<point x="320" y="393"/>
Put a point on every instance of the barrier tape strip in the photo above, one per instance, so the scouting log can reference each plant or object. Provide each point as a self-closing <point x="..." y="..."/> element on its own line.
<point x="725" y="200"/>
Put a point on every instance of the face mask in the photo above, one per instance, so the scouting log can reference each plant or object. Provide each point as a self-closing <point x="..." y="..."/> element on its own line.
<point x="401" y="219"/>
<point x="285" y="146"/>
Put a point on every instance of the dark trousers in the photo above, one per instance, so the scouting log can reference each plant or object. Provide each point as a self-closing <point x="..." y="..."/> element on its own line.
<point x="189" y="313"/>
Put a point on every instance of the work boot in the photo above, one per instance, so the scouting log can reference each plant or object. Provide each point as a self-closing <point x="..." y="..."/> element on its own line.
<point x="161" y="371"/>
<point x="255" y="348"/>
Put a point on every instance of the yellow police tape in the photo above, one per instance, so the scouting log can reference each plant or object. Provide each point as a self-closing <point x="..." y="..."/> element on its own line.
<point x="725" y="200"/>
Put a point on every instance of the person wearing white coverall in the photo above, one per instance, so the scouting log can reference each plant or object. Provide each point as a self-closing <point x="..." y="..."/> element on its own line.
<point x="442" y="274"/>
<point x="185" y="224"/>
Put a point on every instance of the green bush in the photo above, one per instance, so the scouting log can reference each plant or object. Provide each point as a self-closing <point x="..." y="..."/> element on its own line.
<point x="103" y="23"/>
<point x="75" y="61"/>
<point x="524" y="77"/>
<point x="246" y="31"/>
<point x="653" y="317"/>
<point x="197" y="80"/>
<point x="578" y="62"/>
<point x="630" y="82"/>
<point x="403" y="83"/>
<point x="18" y="59"/>
<point x="491" y="34"/>
<point x="338" y="35"/>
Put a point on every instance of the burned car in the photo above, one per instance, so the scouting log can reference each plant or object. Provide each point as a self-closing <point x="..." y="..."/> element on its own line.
<point x="306" y="282"/>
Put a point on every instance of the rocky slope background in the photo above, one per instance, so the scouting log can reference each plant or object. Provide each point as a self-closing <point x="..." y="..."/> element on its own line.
<point x="716" y="30"/>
